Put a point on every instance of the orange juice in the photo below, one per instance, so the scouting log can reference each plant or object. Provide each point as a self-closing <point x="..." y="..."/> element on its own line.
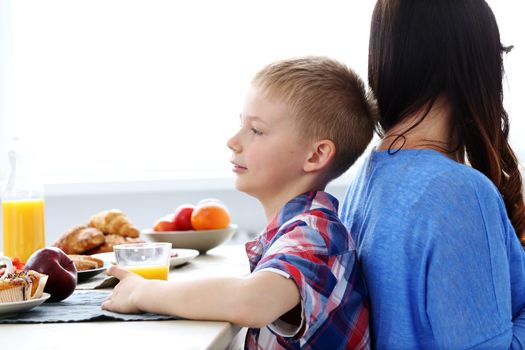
<point x="151" y="272"/>
<point x="23" y="227"/>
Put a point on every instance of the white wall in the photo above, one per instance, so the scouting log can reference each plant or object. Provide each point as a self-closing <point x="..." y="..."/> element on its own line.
<point x="5" y="43"/>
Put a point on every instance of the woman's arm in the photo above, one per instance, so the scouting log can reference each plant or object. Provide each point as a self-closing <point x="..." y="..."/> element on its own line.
<point x="475" y="279"/>
<point x="254" y="301"/>
<point x="518" y="331"/>
<point x="517" y="280"/>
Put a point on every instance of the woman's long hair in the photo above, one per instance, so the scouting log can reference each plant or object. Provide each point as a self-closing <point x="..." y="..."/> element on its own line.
<point x="421" y="50"/>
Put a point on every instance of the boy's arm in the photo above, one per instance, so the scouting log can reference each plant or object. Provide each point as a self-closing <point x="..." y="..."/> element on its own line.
<point x="253" y="301"/>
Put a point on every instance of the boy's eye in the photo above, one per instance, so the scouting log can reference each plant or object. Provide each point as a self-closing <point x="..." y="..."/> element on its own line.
<point x="256" y="132"/>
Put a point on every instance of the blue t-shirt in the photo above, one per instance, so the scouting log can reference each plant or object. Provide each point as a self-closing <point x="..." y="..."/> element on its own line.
<point x="441" y="259"/>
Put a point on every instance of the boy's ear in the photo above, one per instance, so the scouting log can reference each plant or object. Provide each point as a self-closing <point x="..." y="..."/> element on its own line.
<point x="321" y="155"/>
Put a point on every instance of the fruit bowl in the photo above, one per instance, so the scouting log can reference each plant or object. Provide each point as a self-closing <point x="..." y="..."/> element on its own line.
<point x="202" y="240"/>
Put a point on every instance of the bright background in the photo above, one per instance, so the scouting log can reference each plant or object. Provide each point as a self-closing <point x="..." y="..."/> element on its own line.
<point x="148" y="90"/>
<point x="138" y="97"/>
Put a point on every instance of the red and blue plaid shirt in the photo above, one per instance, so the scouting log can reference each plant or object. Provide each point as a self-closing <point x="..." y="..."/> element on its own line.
<point x="305" y="241"/>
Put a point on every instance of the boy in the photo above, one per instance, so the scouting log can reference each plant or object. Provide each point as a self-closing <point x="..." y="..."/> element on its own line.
<point x="304" y="122"/>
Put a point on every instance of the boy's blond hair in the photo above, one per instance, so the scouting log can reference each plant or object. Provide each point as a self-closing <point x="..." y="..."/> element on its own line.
<point x="327" y="100"/>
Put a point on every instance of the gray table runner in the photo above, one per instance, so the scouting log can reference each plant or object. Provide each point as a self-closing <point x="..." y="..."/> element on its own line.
<point x="79" y="307"/>
<point x="98" y="282"/>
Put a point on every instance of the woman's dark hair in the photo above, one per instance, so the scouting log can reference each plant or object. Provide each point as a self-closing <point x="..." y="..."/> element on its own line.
<point x="421" y="50"/>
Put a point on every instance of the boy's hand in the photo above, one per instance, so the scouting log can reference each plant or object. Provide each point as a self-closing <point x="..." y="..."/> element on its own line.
<point x="123" y="299"/>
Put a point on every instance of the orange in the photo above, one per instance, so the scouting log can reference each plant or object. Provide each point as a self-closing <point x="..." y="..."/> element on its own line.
<point x="210" y="215"/>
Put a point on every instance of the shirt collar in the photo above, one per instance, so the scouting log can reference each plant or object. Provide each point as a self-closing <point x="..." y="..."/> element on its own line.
<point x="295" y="207"/>
<point x="298" y="205"/>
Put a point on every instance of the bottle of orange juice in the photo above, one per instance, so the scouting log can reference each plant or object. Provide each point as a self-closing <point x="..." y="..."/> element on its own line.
<point x="22" y="205"/>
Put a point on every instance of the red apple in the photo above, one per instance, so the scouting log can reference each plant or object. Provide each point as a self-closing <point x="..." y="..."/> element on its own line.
<point x="182" y="217"/>
<point x="165" y="223"/>
<point x="61" y="270"/>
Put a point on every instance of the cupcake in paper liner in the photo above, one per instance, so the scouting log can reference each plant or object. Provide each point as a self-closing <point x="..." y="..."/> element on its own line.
<point x="22" y="285"/>
<point x="13" y="288"/>
<point x="39" y="281"/>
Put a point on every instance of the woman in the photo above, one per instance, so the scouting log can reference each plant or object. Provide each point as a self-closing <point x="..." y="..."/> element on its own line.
<point x="430" y="208"/>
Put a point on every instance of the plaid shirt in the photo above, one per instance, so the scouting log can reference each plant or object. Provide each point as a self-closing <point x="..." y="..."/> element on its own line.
<point x="306" y="242"/>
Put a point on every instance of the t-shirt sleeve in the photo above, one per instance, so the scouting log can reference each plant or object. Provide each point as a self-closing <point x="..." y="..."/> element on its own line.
<point x="301" y="254"/>
<point x="517" y="278"/>
<point x="473" y="270"/>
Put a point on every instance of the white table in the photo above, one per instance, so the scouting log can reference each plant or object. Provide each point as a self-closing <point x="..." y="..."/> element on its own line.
<point x="226" y="260"/>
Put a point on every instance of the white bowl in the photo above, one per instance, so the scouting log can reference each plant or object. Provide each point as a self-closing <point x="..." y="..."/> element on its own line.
<point x="202" y="240"/>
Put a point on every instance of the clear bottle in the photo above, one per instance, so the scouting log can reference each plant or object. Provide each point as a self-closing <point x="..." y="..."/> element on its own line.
<point x="22" y="205"/>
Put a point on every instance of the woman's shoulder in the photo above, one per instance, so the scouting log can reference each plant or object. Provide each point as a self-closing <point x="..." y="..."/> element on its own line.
<point x="451" y="198"/>
<point x="454" y="189"/>
<point x="449" y="174"/>
<point x="423" y="191"/>
<point x="421" y="180"/>
<point x="432" y="171"/>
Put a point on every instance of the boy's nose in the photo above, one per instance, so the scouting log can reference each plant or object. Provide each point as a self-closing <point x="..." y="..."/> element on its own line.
<point x="233" y="143"/>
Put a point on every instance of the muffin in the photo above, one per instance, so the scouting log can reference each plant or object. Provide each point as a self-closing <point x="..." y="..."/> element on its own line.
<point x="22" y="285"/>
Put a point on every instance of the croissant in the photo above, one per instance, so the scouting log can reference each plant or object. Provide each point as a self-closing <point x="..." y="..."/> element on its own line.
<point x="79" y="239"/>
<point x="84" y="262"/>
<point x="114" y="221"/>
<point x="111" y="241"/>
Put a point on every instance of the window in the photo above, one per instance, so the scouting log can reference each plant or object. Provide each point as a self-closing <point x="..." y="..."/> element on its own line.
<point x="124" y="90"/>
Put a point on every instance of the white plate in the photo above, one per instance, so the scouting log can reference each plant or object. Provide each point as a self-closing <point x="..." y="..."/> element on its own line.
<point x="84" y="275"/>
<point x="183" y="256"/>
<point x="7" y="309"/>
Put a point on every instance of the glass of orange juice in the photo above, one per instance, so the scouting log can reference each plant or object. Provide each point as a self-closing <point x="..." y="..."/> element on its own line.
<point x="23" y="226"/>
<point x="22" y="204"/>
<point x="149" y="260"/>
